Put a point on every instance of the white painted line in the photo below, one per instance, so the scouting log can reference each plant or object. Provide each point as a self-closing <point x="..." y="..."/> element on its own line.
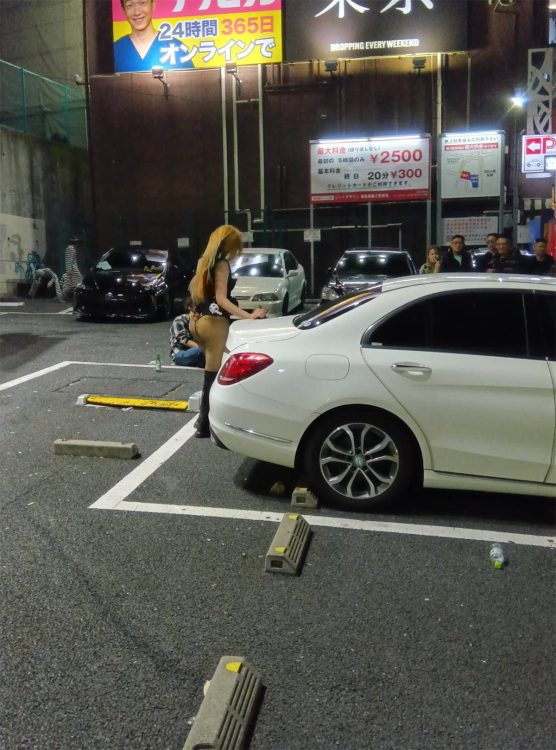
<point x="115" y="499"/>
<point x="12" y="304"/>
<point x="119" y="364"/>
<point x="19" y="312"/>
<point x="111" y="499"/>
<point x="67" y="311"/>
<point x="447" y="532"/>
<point x="33" y="375"/>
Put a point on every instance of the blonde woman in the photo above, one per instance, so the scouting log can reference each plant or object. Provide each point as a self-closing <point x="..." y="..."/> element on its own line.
<point x="212" y="307"/>
<point x="432" y="264"/>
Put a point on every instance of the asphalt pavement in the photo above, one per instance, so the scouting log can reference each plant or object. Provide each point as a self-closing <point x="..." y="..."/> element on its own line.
<point x="123" y="582"/>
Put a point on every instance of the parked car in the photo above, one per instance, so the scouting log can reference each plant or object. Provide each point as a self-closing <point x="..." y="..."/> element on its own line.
<point x="132" y="282"/>
<point x="437" y="380"/>
<point x="360" y="266"/>
<point x="270" y="278"/>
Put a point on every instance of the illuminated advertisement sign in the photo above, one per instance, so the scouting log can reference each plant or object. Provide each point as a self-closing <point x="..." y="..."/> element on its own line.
<point x="186" y="34"/>
<point x="331" y="29"/>
<point x="370" y="169"/>
<point x="471" y="164"/>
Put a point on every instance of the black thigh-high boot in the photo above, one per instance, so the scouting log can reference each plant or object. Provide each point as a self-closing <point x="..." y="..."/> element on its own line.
<point x="203" y="429"/>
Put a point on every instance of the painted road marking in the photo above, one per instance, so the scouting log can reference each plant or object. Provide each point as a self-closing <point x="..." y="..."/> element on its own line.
<point x="33" y="375"/>
<point x="46" y="370"/>
<point x="115" y="499"/>
<point x="12" y="304"/>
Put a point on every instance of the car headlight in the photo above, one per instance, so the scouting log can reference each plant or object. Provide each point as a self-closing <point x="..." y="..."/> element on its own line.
<point x="329" y="293"/>
<point x="266" y="297"/>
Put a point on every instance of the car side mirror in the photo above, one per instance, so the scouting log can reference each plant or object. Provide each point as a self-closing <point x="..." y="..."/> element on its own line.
<point x="329" y="270"/>
<point x="293" y="272"/>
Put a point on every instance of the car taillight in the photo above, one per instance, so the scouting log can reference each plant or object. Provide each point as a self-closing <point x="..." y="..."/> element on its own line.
<point x="241" y="366"/>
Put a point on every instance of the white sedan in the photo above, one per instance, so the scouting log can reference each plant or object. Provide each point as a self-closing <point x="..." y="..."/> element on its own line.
<point x="270" y="278"/>
<point x="442" y="380"/>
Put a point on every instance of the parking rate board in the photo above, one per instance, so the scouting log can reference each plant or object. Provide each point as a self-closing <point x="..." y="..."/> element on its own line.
<point x="370" y="169"/>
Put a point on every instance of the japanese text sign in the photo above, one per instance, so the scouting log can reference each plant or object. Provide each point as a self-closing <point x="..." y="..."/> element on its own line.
<point x="471" y="164"/>
<point x="329" y="29"/>
<point x="370" y="169"/>
<point x="534" y="150"/>
<point x="182" y="34"/>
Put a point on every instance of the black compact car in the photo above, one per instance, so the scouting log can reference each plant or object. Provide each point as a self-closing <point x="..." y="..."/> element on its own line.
<point x="133" y="282"/>
<point x="359" y="267"/>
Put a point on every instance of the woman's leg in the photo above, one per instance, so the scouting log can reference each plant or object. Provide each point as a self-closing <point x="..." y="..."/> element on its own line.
<point x="211" y="333"/>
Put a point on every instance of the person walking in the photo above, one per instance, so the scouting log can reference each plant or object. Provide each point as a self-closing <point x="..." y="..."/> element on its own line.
<point x="212" y="308"/>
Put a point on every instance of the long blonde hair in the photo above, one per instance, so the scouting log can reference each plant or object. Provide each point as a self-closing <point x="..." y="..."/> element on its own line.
<point x="224" y="244"/>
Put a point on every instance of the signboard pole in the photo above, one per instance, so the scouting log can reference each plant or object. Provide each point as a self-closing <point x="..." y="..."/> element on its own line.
<point x="369" y="224"/>
<point x="429" y="223"/>
<point x="439" y="237"/>
<point x="501" y="203"/>
<point x="312" y="248"/>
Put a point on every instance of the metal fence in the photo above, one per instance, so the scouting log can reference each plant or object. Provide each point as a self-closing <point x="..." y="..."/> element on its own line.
<point x="47" y="109"/>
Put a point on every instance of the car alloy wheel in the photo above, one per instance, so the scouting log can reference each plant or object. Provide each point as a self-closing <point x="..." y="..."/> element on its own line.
<point x="360" y="459"/>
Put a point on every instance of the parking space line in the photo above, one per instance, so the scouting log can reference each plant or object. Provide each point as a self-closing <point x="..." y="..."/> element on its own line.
<point x="115" y="499"/>
<point x="353" y="524"/>
<point x="33" y="375"/>
<point x="60" y="365"/>
<point x="111" y="499"/>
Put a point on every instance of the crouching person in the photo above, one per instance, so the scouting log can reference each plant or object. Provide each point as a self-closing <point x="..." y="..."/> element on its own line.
<point x="183" y="350"/>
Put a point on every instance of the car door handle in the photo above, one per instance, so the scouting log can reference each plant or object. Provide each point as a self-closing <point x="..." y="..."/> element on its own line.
<point x="410" y="367"/>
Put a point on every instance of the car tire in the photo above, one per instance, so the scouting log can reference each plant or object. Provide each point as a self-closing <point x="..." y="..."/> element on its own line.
<point x="335" y="466"/>
<point x="285" y="305"/>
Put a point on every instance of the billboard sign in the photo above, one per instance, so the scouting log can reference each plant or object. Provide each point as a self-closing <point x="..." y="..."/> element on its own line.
<point x="331" y="29"/>
<point x="186" y="34"/>
<point x="535" y="150"/>
<point x="473" y="228"/>
<point x="471" y="164"/>
<point x="364" y="170"/>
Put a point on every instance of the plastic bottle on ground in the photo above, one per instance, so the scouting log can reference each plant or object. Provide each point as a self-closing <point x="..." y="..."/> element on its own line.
<point x="157" y="363"/>
<point x="497" y="556"/>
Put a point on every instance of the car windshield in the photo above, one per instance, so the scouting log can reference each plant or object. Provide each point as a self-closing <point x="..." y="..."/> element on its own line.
<point x="372" y="264"/>
<point x="322" y="314"/>
<point x="258" y="264"/>
<point x="133" y="259"/>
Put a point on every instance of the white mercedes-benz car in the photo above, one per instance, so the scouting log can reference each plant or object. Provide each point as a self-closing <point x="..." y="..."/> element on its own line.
<point x="437" y="380"/>
<point x="270" y="278"/>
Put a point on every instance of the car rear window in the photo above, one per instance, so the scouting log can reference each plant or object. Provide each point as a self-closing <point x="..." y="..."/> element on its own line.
<point x="323" y="313"/>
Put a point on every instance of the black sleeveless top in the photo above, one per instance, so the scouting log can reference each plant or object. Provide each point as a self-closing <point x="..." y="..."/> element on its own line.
<point x="210" y="306"/>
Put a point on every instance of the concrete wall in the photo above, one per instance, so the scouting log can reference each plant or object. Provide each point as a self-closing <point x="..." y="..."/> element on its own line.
<point x="44" y="198"/>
